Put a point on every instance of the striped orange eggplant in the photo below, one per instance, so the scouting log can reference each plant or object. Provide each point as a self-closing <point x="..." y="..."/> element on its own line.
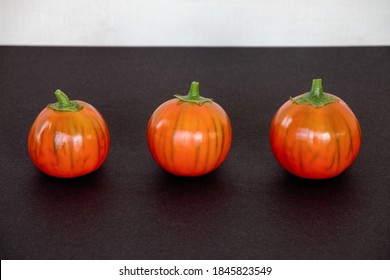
<point x="68" y="138"/>
<point x="315" y="135"/>
<point x="189" y="135"/>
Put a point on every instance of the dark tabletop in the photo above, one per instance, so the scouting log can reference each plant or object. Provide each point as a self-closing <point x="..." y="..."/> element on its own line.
<point x="249" y="208"/>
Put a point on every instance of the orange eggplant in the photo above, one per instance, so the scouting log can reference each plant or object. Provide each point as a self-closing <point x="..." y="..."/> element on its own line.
<point x="68" y="138"/>
<point x="189" y="135"/>
<point x="315" y="135"/>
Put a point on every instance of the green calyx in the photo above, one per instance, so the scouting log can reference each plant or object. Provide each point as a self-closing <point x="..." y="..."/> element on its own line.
<point x="64" y="104"/>
<point x="316" y="97"/>
<point x="193" y="95"/>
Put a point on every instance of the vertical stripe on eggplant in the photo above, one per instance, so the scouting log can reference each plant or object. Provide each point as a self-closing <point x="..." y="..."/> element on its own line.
<point x="207" y="150"/>
<point x="167" y="135"/>
<point x="336" y="153"/>
<point x="41" y="144"/>
<point x="292" y="111"/>
<point x="284" y="146"/>
<point x="219" y="136"/>
<point x="157" y="135"/>
<point x="197" y="144"/>
<point x="350" y="150"/>
<point x="35" y="143"/>
<point x="305" y="122"/>
<point x="155" y="138"/>
<point x="300" y="156"/>
<point x="222" y="143"/>
<point x="54" y="132"/>
<point x="216" y="133"/>
<point x="97" y="138"/>
<point x="149" y="137"/>
<point x="100" y="124"/>
<point x="178" y="120"/>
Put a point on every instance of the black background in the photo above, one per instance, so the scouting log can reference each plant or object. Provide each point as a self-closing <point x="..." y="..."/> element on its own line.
<point x="249" y="208"/>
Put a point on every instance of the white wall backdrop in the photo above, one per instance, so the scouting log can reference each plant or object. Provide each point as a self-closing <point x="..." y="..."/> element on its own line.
<point x="195" y="22"/>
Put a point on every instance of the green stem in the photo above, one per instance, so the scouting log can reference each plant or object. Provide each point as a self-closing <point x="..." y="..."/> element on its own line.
<point x="194" y="90"/>
<point x="193" y="95"/>
<point x="63" y="103"/>
<point x="316" y="88"/>
<point x="316" y="97"/>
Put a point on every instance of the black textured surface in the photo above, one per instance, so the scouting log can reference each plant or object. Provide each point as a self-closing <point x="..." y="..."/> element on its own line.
<point x="249" y="208"/>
